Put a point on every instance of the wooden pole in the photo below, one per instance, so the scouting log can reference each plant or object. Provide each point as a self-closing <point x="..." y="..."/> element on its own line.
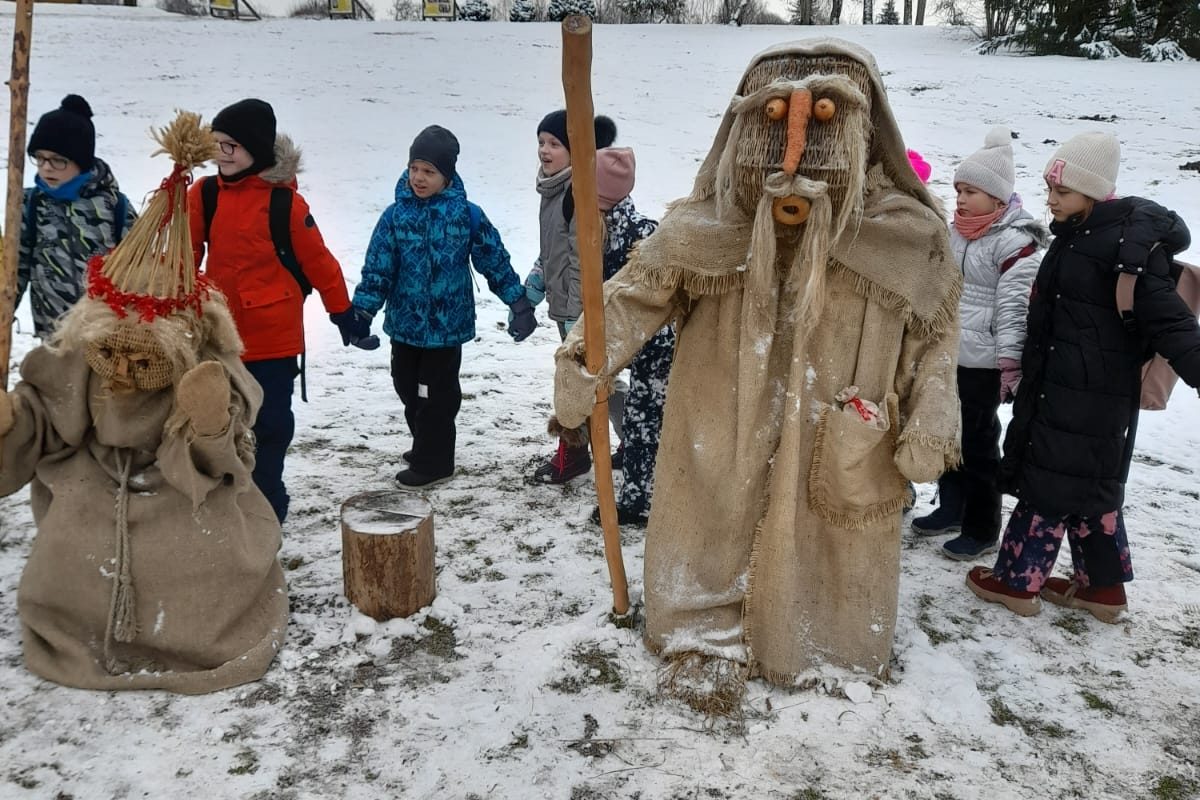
<point x="577" y="85"/>
<point x="18" y="86"/>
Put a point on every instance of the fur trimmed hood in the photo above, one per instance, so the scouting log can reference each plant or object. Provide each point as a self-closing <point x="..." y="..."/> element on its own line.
<point x="287" y="161"/>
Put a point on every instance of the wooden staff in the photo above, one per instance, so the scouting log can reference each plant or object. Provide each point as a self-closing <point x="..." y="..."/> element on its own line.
<point x="577" y="85"/>
<point x="18" y="86"/>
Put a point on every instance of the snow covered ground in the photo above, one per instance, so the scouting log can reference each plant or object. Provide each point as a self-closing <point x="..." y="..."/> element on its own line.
<point x="513" y="685"/>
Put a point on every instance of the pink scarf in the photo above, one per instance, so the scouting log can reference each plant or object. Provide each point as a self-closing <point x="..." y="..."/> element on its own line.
<point x="972" y="228"/>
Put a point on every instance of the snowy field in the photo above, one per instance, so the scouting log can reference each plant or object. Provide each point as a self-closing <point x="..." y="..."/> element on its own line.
<point x="513" y="685"/>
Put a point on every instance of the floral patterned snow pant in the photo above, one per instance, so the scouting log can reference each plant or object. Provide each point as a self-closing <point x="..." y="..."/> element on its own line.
<point x="642" y="420"/>
<point x="1099" y="548"/>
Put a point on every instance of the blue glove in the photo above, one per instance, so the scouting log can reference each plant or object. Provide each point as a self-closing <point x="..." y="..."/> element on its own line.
<point x="355" y="327"/>
<point x="523" y="322"/>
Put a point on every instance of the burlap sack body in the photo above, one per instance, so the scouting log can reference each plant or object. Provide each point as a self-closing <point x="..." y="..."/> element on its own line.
<point x="759" y="550"/>
<point x="210" y="600"/>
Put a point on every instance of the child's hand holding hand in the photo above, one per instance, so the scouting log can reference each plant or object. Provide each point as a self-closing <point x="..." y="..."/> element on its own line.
<point x="521" y="321"/>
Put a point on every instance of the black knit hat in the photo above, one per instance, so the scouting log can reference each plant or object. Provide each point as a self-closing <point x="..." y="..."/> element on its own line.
<point x="67" y="131"/>
<point x="251" y="123"/>
<point x="555" y="123"/>
<point x="436" y="145"/>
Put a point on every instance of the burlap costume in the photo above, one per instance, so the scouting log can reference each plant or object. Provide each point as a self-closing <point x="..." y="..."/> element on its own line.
<point x="154" y="565"/>
<point x="774" y="536"/>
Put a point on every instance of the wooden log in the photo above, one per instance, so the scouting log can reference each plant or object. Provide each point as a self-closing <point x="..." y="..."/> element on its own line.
<point x="18" y="85"/>
<point x="387" y="553"/>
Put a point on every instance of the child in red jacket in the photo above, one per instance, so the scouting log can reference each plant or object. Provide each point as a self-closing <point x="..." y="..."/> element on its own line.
<point x="266" y="299"/>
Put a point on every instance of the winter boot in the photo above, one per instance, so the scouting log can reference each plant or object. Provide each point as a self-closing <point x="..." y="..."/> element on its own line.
<point x="965" y="547"/>
<point x="618" y="457"/>
<point x="947" y="517"/>
<point x="411" y="479"/>
<point x="565" y="464"/>
<point x="1105" y="603"/>
<point x="987" y="586"/>
<point x="625" y="517"/>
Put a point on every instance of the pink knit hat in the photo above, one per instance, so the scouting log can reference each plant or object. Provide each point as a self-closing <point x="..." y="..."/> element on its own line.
<point x="614" y="175"/>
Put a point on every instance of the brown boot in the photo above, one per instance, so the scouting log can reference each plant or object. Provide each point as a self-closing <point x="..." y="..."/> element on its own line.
<point x="987" y="586"/>
<point x="1105" y="603"/>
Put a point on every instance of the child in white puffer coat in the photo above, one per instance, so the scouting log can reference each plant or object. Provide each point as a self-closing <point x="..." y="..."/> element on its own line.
<point x="997" y="244"/>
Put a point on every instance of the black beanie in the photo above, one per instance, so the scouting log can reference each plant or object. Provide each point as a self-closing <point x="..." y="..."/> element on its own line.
<point x="67" y="131"/>
<point x="555" y="123"/>
<point x="251" y="123"/>
<point x="437" y="146"/>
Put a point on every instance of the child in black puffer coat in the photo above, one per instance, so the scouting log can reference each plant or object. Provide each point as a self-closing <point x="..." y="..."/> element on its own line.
<point x="1068" y="448"/>
<point x="641" y="421"/>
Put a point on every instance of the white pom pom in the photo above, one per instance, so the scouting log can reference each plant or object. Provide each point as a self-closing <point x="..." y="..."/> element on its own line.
<point x="999" y="136"/>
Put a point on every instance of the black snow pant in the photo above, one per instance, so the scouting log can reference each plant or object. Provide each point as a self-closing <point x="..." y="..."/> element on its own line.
<point x="975" y="479"/>
<point x="426" y="379"/>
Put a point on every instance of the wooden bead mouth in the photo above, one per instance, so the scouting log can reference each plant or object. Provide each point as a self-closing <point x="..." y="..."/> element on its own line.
<point x="791" y="210"/>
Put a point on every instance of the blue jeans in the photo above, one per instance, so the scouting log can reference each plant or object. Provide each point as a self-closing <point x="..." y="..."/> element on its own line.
<point x="274" y="428"/>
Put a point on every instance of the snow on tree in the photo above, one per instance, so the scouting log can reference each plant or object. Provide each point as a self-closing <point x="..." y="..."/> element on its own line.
<point x="558" y="10"/>
<point x="475" y="10"/>
<point x="888" y="15"/>
<point x="652" y="10"/>
<point x="522" y="11"/>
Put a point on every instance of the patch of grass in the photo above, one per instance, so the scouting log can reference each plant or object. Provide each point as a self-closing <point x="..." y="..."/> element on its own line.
<point x="599" y="668"/>
<point x="245" y="763"/>
<point x="889" y="757"/>
<point x="936" y="637"/>
<point x="1071" y="623"/>
<point x="1190" y="636"/>
<point x="1170" y="787"/>
<point x="1003" y="715"/>
<point x="534" y="552"/>
<point x="1096" y="702"/>
<point x="809" y="794"/>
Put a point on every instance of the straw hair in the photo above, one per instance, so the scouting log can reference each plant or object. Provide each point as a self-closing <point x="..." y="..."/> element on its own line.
<point x="152" y="270"/>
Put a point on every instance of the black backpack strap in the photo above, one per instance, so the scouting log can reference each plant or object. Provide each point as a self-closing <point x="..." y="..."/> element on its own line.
<point x="280" y="218"/>
<point x="568" y="206"/>
<point x="208" y="198"/>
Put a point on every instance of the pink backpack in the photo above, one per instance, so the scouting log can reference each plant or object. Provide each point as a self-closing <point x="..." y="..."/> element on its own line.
<point x="1158" y="379"/>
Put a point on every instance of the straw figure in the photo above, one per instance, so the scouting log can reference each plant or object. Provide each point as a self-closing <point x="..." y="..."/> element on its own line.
<point x="154" y="565"/>
<point x="810" y="276"/>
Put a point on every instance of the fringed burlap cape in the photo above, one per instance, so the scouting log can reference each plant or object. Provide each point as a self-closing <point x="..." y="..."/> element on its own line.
<point x="199" y="549"/>
<point x="774" y="537"/>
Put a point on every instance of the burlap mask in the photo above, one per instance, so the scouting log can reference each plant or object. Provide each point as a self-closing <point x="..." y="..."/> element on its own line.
<point x="754" y="174"/>
<point x="130" y="358"/>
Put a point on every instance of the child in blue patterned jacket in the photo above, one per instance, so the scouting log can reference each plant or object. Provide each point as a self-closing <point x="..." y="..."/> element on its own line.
<point x="418" y="265"/>
<point x="73" y="211"/>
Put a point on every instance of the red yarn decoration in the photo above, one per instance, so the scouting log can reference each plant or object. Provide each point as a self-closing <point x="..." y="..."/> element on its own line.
<point x="148" y="308"/>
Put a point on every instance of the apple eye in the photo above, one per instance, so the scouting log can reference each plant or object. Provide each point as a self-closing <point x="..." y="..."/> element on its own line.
<point x="824" y="109"/>
<point x="776" y="109"/>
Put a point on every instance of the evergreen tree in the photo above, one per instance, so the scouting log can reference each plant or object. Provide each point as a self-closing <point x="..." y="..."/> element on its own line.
<point x="652" y="10"/>
<point x="558" y="10"/>
<point x="522" y="11"/>
<point x="475" y="10"/>
<point x="888" y="15"/>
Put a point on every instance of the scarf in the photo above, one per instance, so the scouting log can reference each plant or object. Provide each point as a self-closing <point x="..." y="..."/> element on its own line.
<point x="972" y="228"/>
<point x="550" y="185"/>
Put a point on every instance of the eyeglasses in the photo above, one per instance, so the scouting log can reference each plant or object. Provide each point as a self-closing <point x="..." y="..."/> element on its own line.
<point x="57" y="162"/>
<point x="228" y="148"/>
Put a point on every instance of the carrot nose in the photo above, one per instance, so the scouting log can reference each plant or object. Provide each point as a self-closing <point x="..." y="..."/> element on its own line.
<point x="799" y="113"/>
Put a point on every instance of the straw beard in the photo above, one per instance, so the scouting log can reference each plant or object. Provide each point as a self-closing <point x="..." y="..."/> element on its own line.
<point x="829" y="218"/>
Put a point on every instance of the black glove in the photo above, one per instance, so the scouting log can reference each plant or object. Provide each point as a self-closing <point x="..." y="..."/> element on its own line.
<point x="523" y="321"/>
<point x="355" y="326"/>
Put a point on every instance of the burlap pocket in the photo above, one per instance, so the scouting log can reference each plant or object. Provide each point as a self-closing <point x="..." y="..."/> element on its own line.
<point x="853" y="481"/>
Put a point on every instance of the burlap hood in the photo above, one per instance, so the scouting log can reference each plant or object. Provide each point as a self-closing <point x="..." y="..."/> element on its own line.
<point x="703" y="241"/>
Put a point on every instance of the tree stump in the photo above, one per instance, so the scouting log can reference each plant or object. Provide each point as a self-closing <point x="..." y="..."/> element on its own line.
<point x="387" y="553"/>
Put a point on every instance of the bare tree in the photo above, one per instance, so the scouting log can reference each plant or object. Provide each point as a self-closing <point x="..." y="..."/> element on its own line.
<point x="920" y="12"/>
<point x="908" y="12"/>
<point x="868" y="17"/>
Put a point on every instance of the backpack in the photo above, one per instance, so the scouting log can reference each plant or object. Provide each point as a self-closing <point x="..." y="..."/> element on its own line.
<point x="1158" y="379"/>
<point x="279" y="218"/>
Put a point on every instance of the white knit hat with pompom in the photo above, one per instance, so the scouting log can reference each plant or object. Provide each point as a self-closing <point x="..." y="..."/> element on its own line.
<point x="990" y="169"/>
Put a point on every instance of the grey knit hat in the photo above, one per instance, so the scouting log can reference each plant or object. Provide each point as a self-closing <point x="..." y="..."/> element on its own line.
<point x="990" y="169"/>
<point x="1087" y="164"/>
